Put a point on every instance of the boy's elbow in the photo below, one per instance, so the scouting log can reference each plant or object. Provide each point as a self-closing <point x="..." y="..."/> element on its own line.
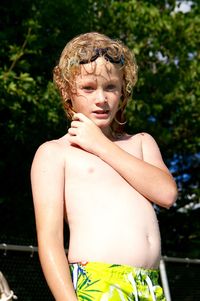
<point x="171" y="196"/>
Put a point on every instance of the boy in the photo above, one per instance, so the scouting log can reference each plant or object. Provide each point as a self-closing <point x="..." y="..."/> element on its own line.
<point x="102" y="180"/>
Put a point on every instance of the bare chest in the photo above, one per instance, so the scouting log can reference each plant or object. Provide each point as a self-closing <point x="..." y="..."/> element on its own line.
<point x="92" y="182"/>
<point x="86" y="169"/>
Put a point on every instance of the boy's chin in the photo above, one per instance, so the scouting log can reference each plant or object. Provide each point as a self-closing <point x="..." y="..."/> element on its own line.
<point x="103" y="124"/>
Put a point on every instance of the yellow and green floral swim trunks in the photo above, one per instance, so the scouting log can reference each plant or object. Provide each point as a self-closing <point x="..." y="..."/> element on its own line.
<point x="96" y="281"/>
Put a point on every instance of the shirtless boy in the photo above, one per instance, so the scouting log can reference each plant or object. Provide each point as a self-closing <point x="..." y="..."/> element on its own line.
<point x="103" y="180"/>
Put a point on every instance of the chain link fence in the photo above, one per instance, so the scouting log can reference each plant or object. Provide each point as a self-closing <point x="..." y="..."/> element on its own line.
<point x="21" y="267"/>
<point x="183" y="276"/>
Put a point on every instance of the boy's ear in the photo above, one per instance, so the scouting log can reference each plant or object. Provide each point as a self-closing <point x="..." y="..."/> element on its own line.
<point x="64" y="94"/>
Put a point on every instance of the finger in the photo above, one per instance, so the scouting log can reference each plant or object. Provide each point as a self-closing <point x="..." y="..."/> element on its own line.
<point x="72" y="131"/>
<point x="75" y="124"/>
<point x="72" y="140"/>
<point x="76" y="116"/>
<point x="80" y="117"/>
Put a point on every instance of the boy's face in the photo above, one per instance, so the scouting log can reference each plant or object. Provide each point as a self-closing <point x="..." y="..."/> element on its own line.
<point x="97" y="91"/>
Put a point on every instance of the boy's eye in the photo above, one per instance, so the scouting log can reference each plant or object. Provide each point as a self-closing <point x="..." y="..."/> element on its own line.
<point x="88" y="88"/>
<point x="111" y="87"/>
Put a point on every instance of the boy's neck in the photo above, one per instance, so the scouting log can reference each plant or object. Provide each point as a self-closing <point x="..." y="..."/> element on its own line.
<point x="108" y="132"/>
<point x="111" y="135"/>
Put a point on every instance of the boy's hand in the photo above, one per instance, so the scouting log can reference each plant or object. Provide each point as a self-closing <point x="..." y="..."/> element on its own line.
<point x="86" y="134"/>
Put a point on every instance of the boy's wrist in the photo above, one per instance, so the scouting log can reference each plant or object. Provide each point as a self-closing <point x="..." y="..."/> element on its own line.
<point x="105" y="150"/>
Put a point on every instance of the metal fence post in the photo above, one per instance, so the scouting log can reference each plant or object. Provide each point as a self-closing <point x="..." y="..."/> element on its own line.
<point x="164" y="280"/>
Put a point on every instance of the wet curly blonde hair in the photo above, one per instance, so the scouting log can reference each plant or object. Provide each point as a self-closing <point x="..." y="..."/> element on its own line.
<point x="80" y="50"/>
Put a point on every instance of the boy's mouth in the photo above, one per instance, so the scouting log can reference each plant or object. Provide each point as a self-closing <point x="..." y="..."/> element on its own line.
<point x="101" y="113"/>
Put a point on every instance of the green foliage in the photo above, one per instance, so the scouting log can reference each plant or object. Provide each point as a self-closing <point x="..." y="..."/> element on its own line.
<point x="165" y="100"/>
<point x="166" y="47"/>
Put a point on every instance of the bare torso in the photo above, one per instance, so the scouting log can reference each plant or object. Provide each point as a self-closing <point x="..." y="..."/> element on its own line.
<point x="109" y="221"/>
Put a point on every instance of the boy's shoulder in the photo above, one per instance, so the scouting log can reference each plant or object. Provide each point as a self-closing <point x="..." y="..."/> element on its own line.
<point x="138" y="137"/>
<point x="142" y="141"/>
<point x="52" y="148"/>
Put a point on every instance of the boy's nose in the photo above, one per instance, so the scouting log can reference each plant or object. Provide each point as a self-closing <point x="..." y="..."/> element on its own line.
<point x="100" y="97"/>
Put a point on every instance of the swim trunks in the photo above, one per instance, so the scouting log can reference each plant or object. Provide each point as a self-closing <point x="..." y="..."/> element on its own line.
<point x="96" y="281"/>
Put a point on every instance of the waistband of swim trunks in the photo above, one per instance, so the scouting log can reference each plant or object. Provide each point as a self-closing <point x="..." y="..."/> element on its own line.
<point x="118" y="269"/>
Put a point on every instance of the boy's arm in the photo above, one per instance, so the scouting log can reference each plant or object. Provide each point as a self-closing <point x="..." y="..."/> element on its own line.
<point x="149" y="176"/>
<point x="47" y="179"/>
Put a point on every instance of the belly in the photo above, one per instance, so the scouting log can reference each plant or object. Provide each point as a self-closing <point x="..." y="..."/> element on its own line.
<point x="109" y="220"/>
<point x="115" y="230"/>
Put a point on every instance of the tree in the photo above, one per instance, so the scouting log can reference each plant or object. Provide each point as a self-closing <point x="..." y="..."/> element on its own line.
<point x="31" y="42"/>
